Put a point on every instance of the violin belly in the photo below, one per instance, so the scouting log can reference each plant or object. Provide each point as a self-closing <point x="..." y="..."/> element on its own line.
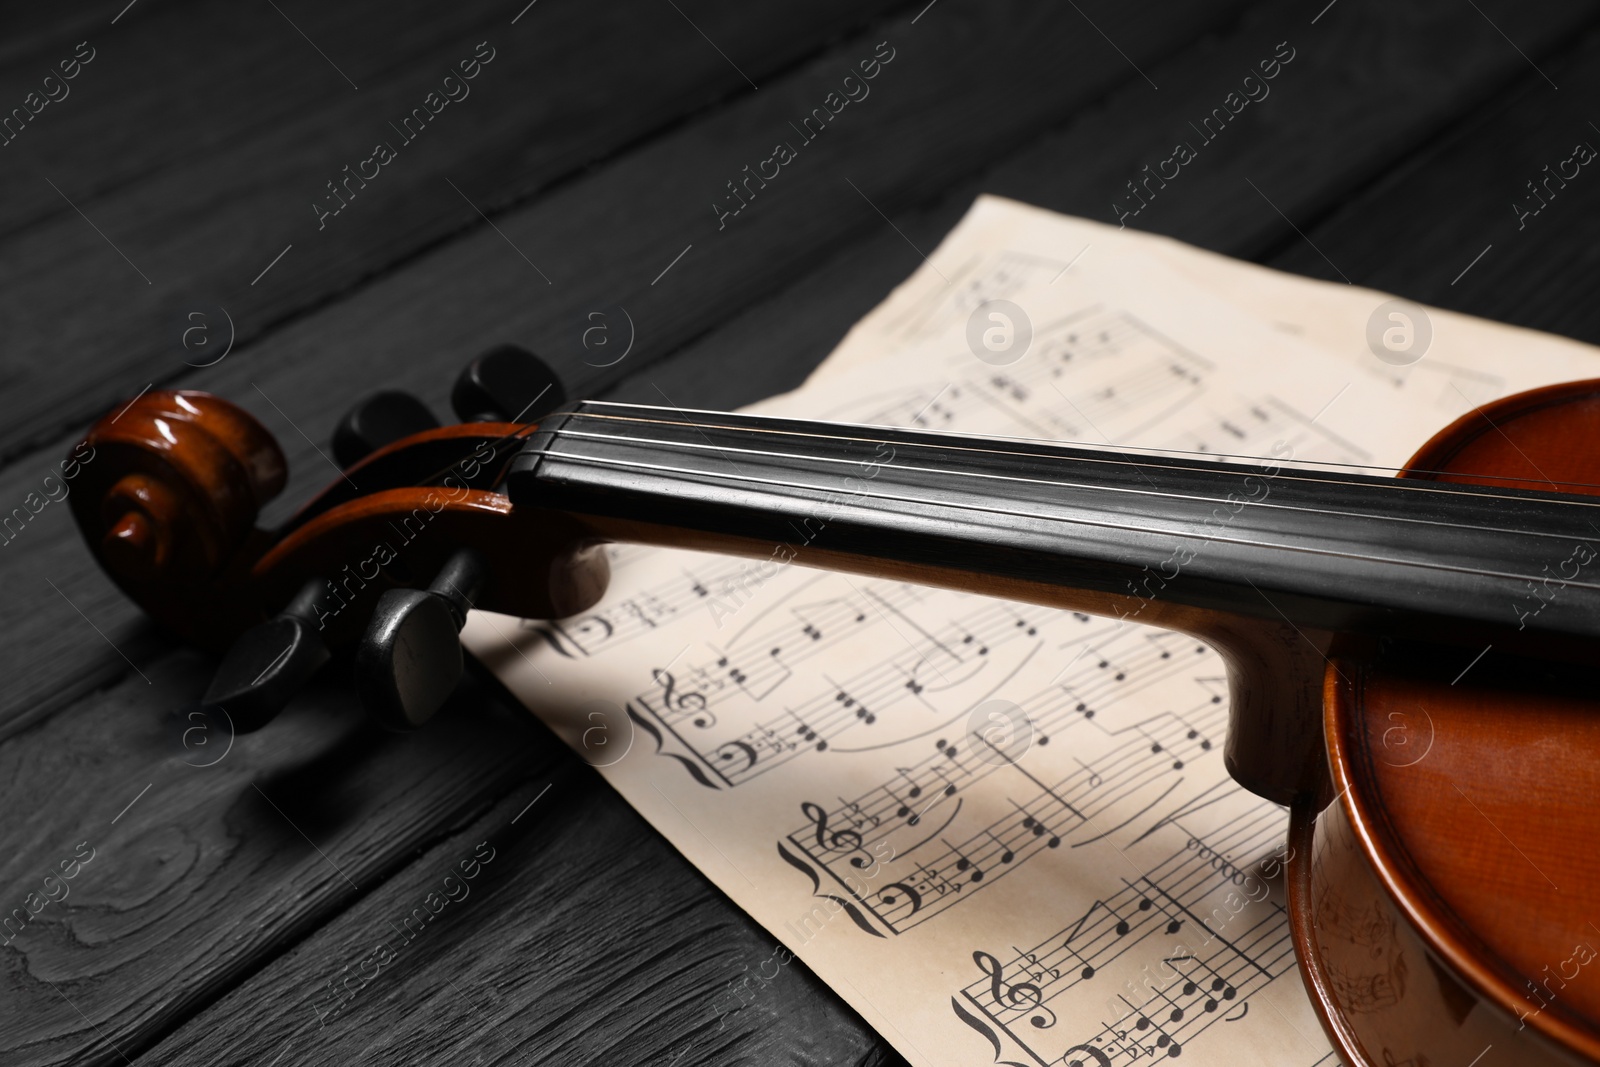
<point x="1447" y="902"/>
<point x="1384" y="997"/>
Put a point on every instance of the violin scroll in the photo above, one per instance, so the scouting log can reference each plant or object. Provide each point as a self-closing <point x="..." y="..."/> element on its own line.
<point x="172" y="496"/>
<point x="178" y="478"/>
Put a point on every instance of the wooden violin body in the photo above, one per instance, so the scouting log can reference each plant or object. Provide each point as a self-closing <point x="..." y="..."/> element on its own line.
<point x="1442" y="876"/>
<point x="1446" y="906"/>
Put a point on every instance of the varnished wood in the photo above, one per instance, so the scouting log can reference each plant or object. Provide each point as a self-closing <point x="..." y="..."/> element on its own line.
<point x="1448" y="900"/>
<point x="174" y="481"/>
<point x="1442" y="893"/>
<point x="1336" y="135"/>
<point x="1274" y="669"/>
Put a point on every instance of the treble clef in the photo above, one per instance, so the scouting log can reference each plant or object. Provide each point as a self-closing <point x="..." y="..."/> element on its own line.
<point x="836" y="840"/>
<point x="1024" y="995"/>
<point x="684" y="703"/>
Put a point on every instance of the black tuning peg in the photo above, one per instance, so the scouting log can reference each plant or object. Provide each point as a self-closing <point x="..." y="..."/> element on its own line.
<point x="410" y="659"/>
<point x="269" y="663"/>
<point x="506" y="384"/>
<point x="380" y="419"/>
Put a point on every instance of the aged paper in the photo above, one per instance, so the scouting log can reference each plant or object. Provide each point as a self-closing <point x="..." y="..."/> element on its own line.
<point x="1002" y="246"/>
<point x="1002" y="833"/>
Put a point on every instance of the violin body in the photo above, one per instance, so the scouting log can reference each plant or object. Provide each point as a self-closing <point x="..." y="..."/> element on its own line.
<point x="1443" y="876"/>
<point x="1446" y="905"/>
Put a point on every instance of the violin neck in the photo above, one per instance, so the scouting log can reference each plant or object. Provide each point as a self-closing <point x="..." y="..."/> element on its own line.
<point x="1162" y="540"/>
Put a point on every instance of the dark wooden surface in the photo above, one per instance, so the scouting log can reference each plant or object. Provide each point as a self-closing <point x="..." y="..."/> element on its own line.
<point x="220" y="905"/>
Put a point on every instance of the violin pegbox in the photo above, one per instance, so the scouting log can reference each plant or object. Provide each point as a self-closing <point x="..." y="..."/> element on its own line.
<point x="172" y="485"/>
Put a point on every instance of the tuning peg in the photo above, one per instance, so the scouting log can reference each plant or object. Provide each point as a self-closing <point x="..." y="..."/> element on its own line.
<point x="378" y="420"/>
<point x="269" y="663"/>
<point x="506" y="384"/>
<point x="410" y="657"/>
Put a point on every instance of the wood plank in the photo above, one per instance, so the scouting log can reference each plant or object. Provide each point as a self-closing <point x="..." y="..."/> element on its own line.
<point x="790" y="325"/>
<point x="1446" y="229"/>
<point x="113" y="124"/>
<point x="199" y="873"/>
<point x="1341" y="116"/>
<point x="586" y="939"/>
<point x="936" y="112"/>
<point x="197" y="179"/>
<point x="456" y="300"/>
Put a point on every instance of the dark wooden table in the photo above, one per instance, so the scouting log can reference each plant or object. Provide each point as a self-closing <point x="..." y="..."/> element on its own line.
<point x="180" y="181"/>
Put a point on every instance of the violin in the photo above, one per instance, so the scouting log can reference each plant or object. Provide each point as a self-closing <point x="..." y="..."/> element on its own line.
<point x="1409" y="658"/>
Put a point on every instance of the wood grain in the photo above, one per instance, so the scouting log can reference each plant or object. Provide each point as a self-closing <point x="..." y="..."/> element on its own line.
<point x="606" y="238"/>
<point x="1342" y="116"/>
<point x="199" y="178"/>
<point x="211" y="869"/>
<point x="155" y="949"/>
<point x="530" y="965"/>
<point x="1427" y="223"/>
<point x="468" y="294"/>
<point x="1482" y="760"/>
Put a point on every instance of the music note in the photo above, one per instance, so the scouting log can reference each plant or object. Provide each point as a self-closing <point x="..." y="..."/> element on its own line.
<point x="807" y="734"/>
<point x="1121" y="929"/>
<point x="1173" y="924"/>
<point x="1163" y="1039"/>
<point x="1105" y="665"/>
<point x="1088" y="971"/>
<point x="862" y="714"/>
<point x="1037" y="827"/>
<point x="1006" y="854"/>
<point x="1217" y="990"/>
<point x="1094" y="777"/>
<point x="904" y="811"/>
<point x="964" y="864"/>
<point x="950" y="786"/>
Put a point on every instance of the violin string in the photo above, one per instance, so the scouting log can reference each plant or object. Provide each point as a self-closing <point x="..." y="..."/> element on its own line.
<point x="1387" y="484"/>
<point x="1132" y="490"/>
<point x="524" y="430"/>
<point x="605" y="461"/>
<point x="1095" y="446"/>
<point x="438" y="476"/>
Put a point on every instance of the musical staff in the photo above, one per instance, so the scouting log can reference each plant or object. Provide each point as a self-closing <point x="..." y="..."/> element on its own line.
<point x="969" y="817"/>
<point x="1074" y="878"/>
<point x="957" y="660"/>
<point x="1165" y="973"/>
<point x="1139" y="379"/>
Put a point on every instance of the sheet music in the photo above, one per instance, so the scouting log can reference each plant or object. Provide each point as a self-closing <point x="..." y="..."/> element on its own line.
<point x="1003" y="245"/>
<point x="1003" y="833"/>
